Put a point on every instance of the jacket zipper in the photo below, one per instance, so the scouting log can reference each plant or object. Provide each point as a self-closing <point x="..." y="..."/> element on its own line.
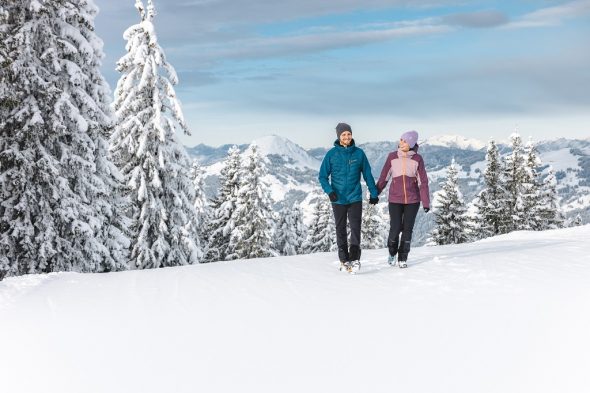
<point x="404" y="180"/>
<point x="349" y="163"/>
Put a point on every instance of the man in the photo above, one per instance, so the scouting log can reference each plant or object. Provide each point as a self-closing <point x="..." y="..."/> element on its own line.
<point x="340" y="176"/>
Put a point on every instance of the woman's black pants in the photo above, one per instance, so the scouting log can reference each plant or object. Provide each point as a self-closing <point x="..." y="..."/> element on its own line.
<point x="401" y="220"/>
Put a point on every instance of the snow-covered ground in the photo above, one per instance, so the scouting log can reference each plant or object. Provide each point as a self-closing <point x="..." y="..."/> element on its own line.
<point x="508" y="314"/>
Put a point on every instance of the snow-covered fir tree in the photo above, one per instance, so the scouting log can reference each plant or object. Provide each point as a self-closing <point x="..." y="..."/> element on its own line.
<point x="488" y="204"/>
<point x="200" y="202"/>
<point x="154" y="164"/>
<point x="549" y="210"/>
<point x="58" y="187"/>
<point x="223" y="206"/>
<point x="450" y="211"/>
<point x="321" y="235"/>
<point x="473" y="221"/>
<point x="251" y="236"/>
<point x="531" y="197"/>
<point x="291" y="231"/>
<point x="514" y="177"/>
<point x="91" y="94"/>
<point x="371" y="224"/>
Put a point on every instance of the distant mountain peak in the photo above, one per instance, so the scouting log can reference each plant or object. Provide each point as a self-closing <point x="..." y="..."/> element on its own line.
<point x="457" y="141"/>
<point x="281" y="146"/>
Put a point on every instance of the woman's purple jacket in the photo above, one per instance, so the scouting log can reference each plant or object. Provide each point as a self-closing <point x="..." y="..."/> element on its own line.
<point x="409" y="182"/>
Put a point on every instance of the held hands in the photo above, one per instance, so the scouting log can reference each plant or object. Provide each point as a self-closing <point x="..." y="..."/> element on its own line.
<point x="333" y="196"/>
<point x="373" y="201"/>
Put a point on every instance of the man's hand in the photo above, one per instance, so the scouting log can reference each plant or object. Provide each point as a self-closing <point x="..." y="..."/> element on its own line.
<point x="373" y="201"/>
<point x="426" y="209"/>
<point x="333" y="196"/>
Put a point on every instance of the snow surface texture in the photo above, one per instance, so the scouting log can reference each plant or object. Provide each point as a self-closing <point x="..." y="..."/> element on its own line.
<point x="506" y="314"/>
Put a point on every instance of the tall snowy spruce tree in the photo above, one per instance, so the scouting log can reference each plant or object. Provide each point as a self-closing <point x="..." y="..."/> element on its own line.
<point x="450" y="212"/>
<point x="57" y="185"/>
<point x="222" y="207"/>
<point x="291" y="231"/>
<point x="321" y="235"/>
<point x="488" y="203"/>
<point x="154" y="164"/>
<point x="514" y="175"/>
<point x="251" y="236"/>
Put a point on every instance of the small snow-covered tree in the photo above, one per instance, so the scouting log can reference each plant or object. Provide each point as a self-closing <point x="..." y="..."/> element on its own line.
<point x="577" y="221"/>
<point x="549" y="210"/>
<point x="223" y="206"/>
<point x="449" y="211"/>
<point x="321" y="235"/>
<point x="291" y="231"/>
<point x="58" y="187"/>
<point x="200" y="203"/>
<point x="251" y="236"/>
<point x="371" y="228"/>
<point x="531" y="197"/>
<point x="488" y="203"/>
<point x="473" y="221"/>
<point x="154" y="164"/>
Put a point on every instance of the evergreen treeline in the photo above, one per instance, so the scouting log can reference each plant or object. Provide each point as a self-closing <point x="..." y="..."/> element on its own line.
<point x="514" y="198"/>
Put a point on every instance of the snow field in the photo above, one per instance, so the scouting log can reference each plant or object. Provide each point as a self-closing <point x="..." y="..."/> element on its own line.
<point x="506" y="314"/>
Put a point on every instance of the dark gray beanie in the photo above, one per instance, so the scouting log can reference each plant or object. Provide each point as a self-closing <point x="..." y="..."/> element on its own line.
<point x="341" y="127"/>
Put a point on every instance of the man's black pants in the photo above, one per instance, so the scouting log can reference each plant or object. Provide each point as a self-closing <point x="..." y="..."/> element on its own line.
<point x="354" y="212"/>
<point x="401" y="219"/>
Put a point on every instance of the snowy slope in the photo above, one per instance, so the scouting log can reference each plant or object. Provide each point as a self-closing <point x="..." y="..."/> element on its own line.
<point x="456" y="141"/>
<point x="508" y="314"/>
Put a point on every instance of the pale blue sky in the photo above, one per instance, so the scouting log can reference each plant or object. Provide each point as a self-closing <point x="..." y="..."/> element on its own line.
<point x="298" y="67"/>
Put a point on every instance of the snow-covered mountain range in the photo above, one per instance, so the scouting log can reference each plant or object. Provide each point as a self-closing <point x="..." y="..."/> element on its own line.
<point x="293" y="170"/>
<point x="492" y="316"/>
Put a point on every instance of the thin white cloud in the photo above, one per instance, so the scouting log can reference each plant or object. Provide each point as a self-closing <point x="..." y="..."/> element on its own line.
<point x="279" y="46"/>
<point x="552" y="16"/>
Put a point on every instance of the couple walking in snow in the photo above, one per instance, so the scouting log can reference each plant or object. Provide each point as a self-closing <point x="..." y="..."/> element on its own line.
<point x="340" y="175"/>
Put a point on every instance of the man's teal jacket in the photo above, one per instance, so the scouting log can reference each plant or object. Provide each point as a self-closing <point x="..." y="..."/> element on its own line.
<point x="341" y="173"/>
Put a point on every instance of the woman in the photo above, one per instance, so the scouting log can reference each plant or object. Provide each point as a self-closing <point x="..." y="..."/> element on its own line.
<point x="409" y="187"/>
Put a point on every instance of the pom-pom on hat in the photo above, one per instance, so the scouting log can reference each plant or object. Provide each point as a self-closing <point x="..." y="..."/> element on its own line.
<point x="341" y="127"/>
<point x="411" y="137"/>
